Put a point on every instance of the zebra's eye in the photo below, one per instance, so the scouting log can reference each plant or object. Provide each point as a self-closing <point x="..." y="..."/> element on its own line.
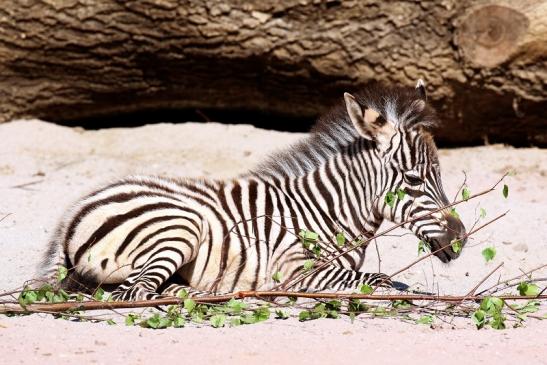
<point x="413" y="178"/>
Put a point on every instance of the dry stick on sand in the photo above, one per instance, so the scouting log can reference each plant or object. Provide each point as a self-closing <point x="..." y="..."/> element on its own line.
<point x="96" y="305"/>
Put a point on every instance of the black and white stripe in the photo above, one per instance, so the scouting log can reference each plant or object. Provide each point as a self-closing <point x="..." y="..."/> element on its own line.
<point x="142" y="233"/>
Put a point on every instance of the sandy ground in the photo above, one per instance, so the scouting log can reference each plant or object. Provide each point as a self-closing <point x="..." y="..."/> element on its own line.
<point x="44" y="167"/>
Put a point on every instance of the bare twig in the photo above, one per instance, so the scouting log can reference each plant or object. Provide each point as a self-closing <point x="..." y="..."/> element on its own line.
<point x="24" y="185"/>
<point x="4" y="217"/>
<point x="472" y="291"/>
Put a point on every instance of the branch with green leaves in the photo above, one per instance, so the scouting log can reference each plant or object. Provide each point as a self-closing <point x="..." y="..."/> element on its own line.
<point x="248" y="307"/>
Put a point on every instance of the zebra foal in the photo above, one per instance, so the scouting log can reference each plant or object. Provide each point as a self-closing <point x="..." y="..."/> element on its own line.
<point x="151" y="236"/>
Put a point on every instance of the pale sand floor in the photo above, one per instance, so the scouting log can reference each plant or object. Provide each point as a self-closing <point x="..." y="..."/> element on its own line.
<point x="44" y="167"/>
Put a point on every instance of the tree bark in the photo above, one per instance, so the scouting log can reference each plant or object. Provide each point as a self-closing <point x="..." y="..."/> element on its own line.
<point x="485" y="63"/>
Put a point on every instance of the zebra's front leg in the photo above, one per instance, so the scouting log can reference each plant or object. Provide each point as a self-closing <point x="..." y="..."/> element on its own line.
<point x="178" y="290"/>
<point x="158" y="266"/>
<point x="340" y="279"/>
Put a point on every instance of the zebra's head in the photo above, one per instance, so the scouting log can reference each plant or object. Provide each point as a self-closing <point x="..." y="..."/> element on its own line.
<point x="408" y="176"/>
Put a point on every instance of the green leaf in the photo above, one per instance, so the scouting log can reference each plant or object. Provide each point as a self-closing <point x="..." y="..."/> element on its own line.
<point x="156" y="322"/>
<point x="304" y="316"/>
<point x="456" y="245"/>
<point x="261" y="314"/>
<point x="489" y="253"/>
<point x="277" y="277"/>
<point x="131" y="318"/>
<point x="179" y="321"/>
<point x="400" y="194"/>
<point x="492" y="305"/>
<point x="218" y="320"/>
<point x="110" y="322"/>
<point x="189" y="305"/>
<point x="236" y="306"/>
<point x="390" y="199"/>
<point x="60" y="297"/>
<point x="366" y="289"/>
<point x="528" y="289"/>
<point x="44" y="289"/>
<point x="498" y="321"/>
<point x="308" y="237"/>
<point x="281" y="314"/>
<point x="316" y="249"/>
<point x="531" y="307"/>
<point x="152" y="322"/>
<point x="235" y="321"/>
<point x="334" y="305"/>
<point x="425" y="319"/>
<point x="182" y="294"/>
<point x="482" y="213"/>
<point x="340" y="239"/>
<point x="465" y="193"/>
<point x="248" y="319"/>
<point x="401" y="304"/>
<point x="27" y="296"/>
<point x="98" y="295"/>
<point x="355" y="305"/>
<point x="423" y="247"/>
<point x="453" y="213"/>
<point x="49" y="296"/>
<point x="479" y="318"/>
<point x="61" y="273"/>
<point x="197" y="316"/>
<point x="308" y="265"/>
<point x="505" y="191"/>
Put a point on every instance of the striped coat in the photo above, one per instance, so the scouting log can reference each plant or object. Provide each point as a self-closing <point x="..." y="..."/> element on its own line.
<point x="151" y="235"/>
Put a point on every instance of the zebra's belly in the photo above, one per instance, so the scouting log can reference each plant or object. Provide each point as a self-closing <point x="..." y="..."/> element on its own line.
<point x="237" y="271"/>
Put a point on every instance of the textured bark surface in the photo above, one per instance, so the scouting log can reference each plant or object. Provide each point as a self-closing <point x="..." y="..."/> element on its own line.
<point x="484" y="62"/>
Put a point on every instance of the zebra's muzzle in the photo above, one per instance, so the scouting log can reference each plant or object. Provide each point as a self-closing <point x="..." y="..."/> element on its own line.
<point x="452" y="242"/>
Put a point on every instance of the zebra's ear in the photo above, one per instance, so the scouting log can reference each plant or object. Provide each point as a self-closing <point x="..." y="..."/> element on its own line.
<point x="420" y="90"/>
<point x="366" y="121"/>
<point x="362" y="120"/>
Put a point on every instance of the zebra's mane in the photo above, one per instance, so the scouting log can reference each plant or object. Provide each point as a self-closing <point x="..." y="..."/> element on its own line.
<point x="334" y="130"/>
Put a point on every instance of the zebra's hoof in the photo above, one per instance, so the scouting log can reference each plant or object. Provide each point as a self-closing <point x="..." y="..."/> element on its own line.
<point x="133" y="294"/>
<point x="380" y="279"/>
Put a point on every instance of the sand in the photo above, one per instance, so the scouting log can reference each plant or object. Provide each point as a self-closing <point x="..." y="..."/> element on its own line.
<point x="45" y="167"/>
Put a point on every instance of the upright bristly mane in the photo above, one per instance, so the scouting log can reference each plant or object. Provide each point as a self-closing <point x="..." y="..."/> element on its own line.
<point x="334" y="130"/>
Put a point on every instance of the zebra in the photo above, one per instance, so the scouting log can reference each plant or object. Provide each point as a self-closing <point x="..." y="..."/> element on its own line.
<point x="150" y="236"/>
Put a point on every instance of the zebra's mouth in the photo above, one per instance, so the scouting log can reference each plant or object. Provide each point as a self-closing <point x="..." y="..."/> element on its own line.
<point x="448" y="248"/>
<point x="446" y="254"/>
<point x="449" y="244"/>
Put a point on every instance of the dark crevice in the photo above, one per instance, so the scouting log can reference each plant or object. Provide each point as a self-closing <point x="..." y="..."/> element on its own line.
<point x="260" y="119"/>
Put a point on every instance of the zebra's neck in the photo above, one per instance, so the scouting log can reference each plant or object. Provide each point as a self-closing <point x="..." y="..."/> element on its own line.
<point x="337" y="195"/>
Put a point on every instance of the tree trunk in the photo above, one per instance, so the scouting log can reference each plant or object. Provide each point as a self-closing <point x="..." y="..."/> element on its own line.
<point x="484" y="62"/>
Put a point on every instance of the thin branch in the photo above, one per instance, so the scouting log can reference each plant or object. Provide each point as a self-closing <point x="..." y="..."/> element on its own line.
<point x="95" y="305"/>
<point x="472" y="291"/>
<point x="513" y="278"/>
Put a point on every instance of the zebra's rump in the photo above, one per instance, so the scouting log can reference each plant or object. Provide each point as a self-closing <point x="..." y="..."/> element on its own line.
<point x="114" y="230"/>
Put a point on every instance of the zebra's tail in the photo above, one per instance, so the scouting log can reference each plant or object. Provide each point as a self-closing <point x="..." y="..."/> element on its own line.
<point x="51" y="263"/>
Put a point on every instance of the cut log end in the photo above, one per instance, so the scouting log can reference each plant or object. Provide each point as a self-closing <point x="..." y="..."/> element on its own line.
<point x="490" y="35"/>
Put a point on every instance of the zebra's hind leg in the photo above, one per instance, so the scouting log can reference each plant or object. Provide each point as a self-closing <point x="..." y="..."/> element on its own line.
<point x="339" y="279"/>
<point x="143" y="282"/>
